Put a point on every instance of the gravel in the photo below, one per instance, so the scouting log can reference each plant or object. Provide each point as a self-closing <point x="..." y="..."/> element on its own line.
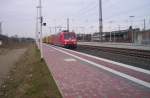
<point x="130" y="60"/>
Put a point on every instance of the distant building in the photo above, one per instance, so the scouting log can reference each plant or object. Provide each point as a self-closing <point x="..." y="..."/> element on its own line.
<point x="126" y="36"/>
<point x="117" y="36"/>
<point x="96" y="36"/>
<point x="84" y="37"/>
<point x="145" y="37"/>
<point x="3" y="39"/>
<point x="141" y="37"/>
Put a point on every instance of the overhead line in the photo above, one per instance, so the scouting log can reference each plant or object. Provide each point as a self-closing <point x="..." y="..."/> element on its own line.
<point x="127" y="11"/>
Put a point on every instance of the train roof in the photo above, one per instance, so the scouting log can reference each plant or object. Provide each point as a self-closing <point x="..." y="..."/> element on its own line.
<point x="66" y="32"/>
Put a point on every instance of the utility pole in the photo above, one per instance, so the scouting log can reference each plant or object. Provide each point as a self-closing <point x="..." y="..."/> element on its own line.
<point x="110" y="31"/>
<point x="82" y="28"/>
<point x="41" y="23"/>
<point x="68" y="24"/>
<point x="100" y="20"/>
<point x="115" y="33"/>
<point x="50" y="30"/>
<point x="55" y="29"/>
<point x="144" y="25"/>
<point x="0" y="27"/>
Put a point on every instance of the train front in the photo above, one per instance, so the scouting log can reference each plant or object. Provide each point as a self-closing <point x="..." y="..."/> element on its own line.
<point x="70" y="40"/>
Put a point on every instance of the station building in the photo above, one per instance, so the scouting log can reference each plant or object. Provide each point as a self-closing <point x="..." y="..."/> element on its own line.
<point x="127" y="36"/>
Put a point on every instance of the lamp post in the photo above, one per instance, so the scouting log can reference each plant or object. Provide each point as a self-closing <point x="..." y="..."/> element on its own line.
<point x="0" y="27"/>
<point x="68" y="24"/>
<point x="83" y="30"/>
<point x="131" y="19"/>
<point x="110" y="31"/>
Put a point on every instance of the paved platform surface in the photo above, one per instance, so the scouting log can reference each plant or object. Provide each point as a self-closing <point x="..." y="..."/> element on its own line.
<point x="117" y="45"/>
<point x="83" y="76"/>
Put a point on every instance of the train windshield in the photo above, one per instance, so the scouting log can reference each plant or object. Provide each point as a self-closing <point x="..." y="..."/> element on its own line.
<point x="69" y="36"/>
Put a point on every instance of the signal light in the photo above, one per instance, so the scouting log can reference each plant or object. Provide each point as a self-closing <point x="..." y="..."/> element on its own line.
<point x="44" y="24"/>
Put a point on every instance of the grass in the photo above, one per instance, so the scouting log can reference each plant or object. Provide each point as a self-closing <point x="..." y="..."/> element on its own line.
<point x="30" y="78"/>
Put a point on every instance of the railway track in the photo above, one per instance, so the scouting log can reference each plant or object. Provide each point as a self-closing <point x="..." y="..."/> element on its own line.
<point x="122" y="51"/>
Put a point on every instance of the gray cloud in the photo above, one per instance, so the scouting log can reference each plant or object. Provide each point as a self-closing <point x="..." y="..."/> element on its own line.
<point x="18" y="16"/>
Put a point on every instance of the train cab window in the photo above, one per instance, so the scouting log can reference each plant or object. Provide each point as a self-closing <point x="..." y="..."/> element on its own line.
<point x="69" y="35"/>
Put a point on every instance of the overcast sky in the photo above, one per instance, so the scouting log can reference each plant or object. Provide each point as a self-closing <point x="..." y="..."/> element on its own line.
<point x="19" y="16"/>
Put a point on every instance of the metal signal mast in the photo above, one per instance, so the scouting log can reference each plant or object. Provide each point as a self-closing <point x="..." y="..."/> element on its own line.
<point x="100" y="20"/>
<point x="41" y="23"/>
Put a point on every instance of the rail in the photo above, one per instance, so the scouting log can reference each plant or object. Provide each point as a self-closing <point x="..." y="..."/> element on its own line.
<point x="122" y="51"/>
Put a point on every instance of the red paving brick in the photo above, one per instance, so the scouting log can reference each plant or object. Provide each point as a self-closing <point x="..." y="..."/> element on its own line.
<point x="136" y="74"/>
<point x="78" y="79"/>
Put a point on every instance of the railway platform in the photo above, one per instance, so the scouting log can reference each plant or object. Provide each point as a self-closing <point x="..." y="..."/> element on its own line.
<point x="80" y="75"/>
<point x="117" y="45"/>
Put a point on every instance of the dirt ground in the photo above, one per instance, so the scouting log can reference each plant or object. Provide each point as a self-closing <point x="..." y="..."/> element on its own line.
<point x="29" y="77"/>
<point x="8" y="57"/>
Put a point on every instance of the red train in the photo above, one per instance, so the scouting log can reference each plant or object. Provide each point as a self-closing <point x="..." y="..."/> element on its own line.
<point x="63" y="39"/>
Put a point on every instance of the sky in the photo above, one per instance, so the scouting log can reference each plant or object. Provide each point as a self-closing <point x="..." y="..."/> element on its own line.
<point x="18" y="17"/>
